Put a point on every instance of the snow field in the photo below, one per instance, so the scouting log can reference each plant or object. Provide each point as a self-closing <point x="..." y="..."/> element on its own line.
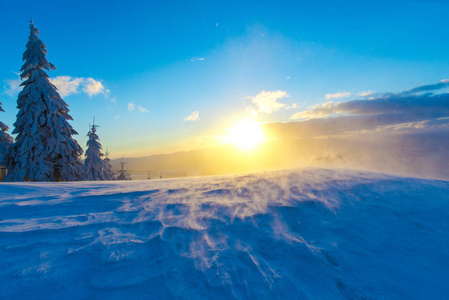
<point x="292" y="234"/>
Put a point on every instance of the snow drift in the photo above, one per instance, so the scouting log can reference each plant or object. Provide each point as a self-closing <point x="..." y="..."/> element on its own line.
<point x="293" y="234"/>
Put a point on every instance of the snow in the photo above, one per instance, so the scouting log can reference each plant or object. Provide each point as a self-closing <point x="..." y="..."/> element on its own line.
<point x="289" y="234"/>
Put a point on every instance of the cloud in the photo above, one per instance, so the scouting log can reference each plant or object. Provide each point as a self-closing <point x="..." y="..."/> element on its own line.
<point x="410" y="110"/>
<point x="141" y="109"/>
<point x="94" y="87"/>
<point x="338" y="95"/>
<point x="430" y="87"/>
<point x="66" y="86"/>
<point x="194" y="116"/>
<point x="365" y="93"/>
<point x="193" y="59"/>
<point x="403" y="103"/>
<point x="317" y="111"/>
<point x="267" y="102"/>
<point x="413" y="101"/>
<point x="117" y="117"/>
<point x="12" y="87"/>
<point x="132" y="107"/>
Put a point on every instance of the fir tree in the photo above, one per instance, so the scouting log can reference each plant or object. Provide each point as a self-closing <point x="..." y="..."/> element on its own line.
<point x="95" y="167"/>
<point x="123" y="174"/>
<point x="107" y="161"/>
<point x="5" y="141"/>
<point x="44" y="149"/>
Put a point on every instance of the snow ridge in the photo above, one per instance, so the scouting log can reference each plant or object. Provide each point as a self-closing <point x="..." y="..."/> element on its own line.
<point x="294" y="234"/>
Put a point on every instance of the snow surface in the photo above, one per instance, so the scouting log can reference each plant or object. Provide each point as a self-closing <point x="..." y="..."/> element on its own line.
<point x="292" y="234"/>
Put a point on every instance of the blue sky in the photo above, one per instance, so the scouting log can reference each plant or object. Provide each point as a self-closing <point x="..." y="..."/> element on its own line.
<point x="143" y="67"/>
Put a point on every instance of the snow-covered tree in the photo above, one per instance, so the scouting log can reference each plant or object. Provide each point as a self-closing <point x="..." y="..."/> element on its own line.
<point x="107" y="161"/>
<point x="95" y="167"/>
<point x="44" y="149"/>
<point x="5" y="141"/>
<point x="123" y="174"/>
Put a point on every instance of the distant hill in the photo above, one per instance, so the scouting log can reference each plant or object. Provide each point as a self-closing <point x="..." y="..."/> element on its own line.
<point x="420" y="155"/>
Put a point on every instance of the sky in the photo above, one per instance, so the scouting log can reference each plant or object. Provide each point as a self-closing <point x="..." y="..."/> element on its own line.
<point x="169" y="76"/>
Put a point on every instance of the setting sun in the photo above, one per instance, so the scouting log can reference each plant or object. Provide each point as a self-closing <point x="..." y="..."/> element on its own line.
<point x="246" y="135"/>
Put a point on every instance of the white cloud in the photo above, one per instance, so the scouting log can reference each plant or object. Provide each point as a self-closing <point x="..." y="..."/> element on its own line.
<point x="12" y="87"/>
<point x="267" y="102"/>
<point x="94" y="87"/>
<point x="316" y="111"/>
<point x="338" y="95"/>
<point x="117" y="117"/>
<point x="67" y="85"/>
<point x="141" y="109"/>
<point x="193" y="59"/>
<point x="194" y="116"/>
<point x="365" y="93"/>
<point x="132" y="107"/>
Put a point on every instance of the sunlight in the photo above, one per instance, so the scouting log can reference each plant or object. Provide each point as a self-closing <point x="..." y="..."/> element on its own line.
<point x="246" y="135"/>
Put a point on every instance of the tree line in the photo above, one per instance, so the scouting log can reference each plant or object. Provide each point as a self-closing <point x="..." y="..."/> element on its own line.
<point x="44" y="148"/>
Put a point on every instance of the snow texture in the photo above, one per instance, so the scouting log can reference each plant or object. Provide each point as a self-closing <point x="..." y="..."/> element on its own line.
<point x="292" y="234"/>
<point x="95" y="167"/>
<point x="5" y="140"/>
<point x="44" y="149"/>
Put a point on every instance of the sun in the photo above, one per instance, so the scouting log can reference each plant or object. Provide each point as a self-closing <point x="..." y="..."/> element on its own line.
<point x="246" y="135"/>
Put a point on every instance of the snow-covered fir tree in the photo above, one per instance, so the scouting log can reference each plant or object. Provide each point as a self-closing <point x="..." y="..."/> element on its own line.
<point x="107" y="161"/>
<point x="123" y="174"/>
<point x="5" y="141"/>
<point x="44" y="149"/>
<point x="95" y="167"/>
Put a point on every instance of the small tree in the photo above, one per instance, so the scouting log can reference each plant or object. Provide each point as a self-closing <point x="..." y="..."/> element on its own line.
<point x="5" y="141"/>
<point x="95" y="167"/>
<point x="44" y="149"/>
<point x="107" y="161"/>
<point x="123" y="174"/>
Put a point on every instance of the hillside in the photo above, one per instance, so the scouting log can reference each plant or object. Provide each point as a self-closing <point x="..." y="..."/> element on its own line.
<point x="292" y="234"/>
